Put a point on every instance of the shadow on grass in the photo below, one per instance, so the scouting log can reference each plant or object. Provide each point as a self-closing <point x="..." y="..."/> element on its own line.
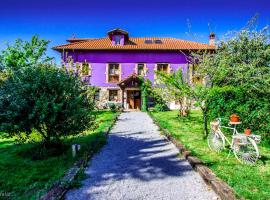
<point x="264" y="159"/>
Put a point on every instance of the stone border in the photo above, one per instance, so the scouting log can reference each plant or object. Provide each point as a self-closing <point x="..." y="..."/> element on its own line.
<point x="222" y="189"/>
<point x="60" y="188"/>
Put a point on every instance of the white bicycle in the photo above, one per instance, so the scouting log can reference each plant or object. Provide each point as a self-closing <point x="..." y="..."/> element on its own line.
<point x="243" y="146"/>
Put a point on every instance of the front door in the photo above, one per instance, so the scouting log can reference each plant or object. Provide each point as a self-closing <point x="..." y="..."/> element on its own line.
<point x="134" y="99"/>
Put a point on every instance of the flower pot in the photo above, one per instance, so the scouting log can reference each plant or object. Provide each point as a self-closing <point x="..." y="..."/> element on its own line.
<point x="234" y="118"/>
<point x="247" y="131"/>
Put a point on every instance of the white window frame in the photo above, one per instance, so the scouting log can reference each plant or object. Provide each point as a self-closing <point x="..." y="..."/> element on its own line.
<point x="143" y="71"/>
<point x="108" y="72"/>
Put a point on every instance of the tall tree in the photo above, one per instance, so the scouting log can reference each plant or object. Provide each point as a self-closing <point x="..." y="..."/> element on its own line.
<point x="24" y="54"/>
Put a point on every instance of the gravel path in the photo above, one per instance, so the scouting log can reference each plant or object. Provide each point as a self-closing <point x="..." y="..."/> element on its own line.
<point x="137" y="163"/>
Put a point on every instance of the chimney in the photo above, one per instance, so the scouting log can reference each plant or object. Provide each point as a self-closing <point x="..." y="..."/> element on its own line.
<point x="212" y="37"/>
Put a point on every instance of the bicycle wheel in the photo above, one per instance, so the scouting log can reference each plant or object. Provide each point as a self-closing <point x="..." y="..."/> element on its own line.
<point x="246" y="152"/>
<point x="216" y="141"/>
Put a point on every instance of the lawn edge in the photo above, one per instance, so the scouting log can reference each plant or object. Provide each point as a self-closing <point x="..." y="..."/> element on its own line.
<point x="221" y="188"/>
<point x="61" y="187"/>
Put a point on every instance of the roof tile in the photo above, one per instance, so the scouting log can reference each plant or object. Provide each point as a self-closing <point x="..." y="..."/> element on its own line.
<point x="135" y="44"/>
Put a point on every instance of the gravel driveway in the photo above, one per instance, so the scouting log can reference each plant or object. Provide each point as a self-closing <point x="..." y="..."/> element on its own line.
<point x="138" y="163"/>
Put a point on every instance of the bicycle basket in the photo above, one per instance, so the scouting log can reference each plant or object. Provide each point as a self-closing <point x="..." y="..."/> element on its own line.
<point x="240" y="139"/>
<point x="214" y="125"/>
<point x="256" y="138"/>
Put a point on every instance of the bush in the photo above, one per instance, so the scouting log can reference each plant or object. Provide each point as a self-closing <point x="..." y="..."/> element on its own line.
<point x="252" y="107"/>
<point x="113" y="106"/>
<point x="160" y="107"/>
<point x="45" y="99"/>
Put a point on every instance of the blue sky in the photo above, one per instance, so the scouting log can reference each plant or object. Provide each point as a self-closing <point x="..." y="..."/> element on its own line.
<point x="57" y="20"/>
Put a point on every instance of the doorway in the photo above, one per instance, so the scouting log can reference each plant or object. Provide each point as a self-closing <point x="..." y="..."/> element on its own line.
<point x="134" y="99"/>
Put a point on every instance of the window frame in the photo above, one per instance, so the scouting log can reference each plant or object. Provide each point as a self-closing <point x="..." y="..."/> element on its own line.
<point x="97" y="95"/>
<point x="109" y="74"/>
<point x="89" y="68"/>
<point x="156" y="69"/>
<point x="167" y="65"/>
<point x="115" y="96"/>
<point x="116" y="41"/>
<point x="143" y="70"/>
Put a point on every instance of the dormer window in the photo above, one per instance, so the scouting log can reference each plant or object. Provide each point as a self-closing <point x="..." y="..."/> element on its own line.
<point x="117" y="39"/>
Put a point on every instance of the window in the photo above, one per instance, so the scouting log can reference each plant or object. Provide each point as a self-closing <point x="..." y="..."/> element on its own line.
<point x="141" y="69"/>
<point x="117" y="39"/>
<point x="113" y="95"/>
<point x="163" y="68"/>
<point x="114" y="73"/>
<point x="158" y="42"/>
<point x="97" y="95"/>
<point x="148" y="42"/>
<point x="85" y="69"/>
<point x="195" y="77"/>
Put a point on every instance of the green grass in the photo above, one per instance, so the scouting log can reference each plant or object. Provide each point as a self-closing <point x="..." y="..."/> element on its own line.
<point x="250" y="182"/>
<point x="22" y="177"/>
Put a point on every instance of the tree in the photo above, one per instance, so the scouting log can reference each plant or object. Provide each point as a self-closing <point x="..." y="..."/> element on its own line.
<point x="24" y="54"/>
<point x="145" y="87"/>
<point x="46" y="99"/>
<point x="242" y="60"/>
<point x="173" y="86"/>
<point x="238" y="77"/>
<point x="200" y="94"/>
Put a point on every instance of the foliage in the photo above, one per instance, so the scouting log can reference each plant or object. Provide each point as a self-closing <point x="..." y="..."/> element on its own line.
<point x="200" y="95"/>
<point x="85" y="69"/>
<point x="113" y="106"/>
<point x="146" y="87"/>
<point x="160" y="103"/>
<point x="24" y="54"/>
<point x="252" y="108"/>
<point x="239" y="72"/>
<point x="249" y="182"/>
<point x="173" y="86"/>
<point x="46" y="99"/>
<point x="242" y="60"/>
<point x="23" y="176"/>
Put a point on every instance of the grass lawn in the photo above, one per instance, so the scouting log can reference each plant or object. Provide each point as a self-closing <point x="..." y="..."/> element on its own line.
<point x="250" y="182"/>
<point x="24" y="177"/>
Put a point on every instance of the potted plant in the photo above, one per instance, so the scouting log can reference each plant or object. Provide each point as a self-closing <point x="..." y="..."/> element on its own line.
<point x="248" y="131"/>
<point x="234" y="118"/>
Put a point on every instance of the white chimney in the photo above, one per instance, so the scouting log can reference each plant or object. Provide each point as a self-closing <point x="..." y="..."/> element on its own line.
<point x="212" y="37"/>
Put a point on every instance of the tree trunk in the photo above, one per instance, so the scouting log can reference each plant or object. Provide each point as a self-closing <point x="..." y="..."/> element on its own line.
<point x="184" y="108"/>
<point x="205" y="121"/>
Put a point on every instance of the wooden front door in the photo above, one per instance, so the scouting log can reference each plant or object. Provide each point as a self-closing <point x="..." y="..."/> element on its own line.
<point x="134" y="99"/>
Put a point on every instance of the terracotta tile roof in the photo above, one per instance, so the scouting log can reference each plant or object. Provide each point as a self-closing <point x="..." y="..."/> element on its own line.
<point x="134" y="44"/>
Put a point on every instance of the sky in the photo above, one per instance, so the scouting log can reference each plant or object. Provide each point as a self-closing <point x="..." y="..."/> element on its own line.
<point x="57" y="20"/>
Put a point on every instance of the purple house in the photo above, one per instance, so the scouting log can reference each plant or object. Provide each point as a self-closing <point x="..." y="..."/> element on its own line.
<point x="114" y="63"/>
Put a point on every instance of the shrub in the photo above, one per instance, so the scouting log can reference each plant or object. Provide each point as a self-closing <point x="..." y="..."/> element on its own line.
<point x="253" y="108"/>
<point x="113" y="106"/>
<point x="45" y="99"/>
<point x="160" y="107"/>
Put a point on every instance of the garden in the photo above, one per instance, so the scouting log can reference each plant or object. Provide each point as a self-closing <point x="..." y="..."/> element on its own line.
<point x="44" y="110"/>
<point x="235" y="79"/>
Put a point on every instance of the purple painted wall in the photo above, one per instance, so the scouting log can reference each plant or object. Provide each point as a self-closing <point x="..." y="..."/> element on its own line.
<point x="99" y="77"/>
<point x="128" y="56"/>
<point x="128" y="61"/>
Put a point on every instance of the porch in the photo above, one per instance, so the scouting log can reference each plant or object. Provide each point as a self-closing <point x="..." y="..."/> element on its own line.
<point x="131" y="93"/>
